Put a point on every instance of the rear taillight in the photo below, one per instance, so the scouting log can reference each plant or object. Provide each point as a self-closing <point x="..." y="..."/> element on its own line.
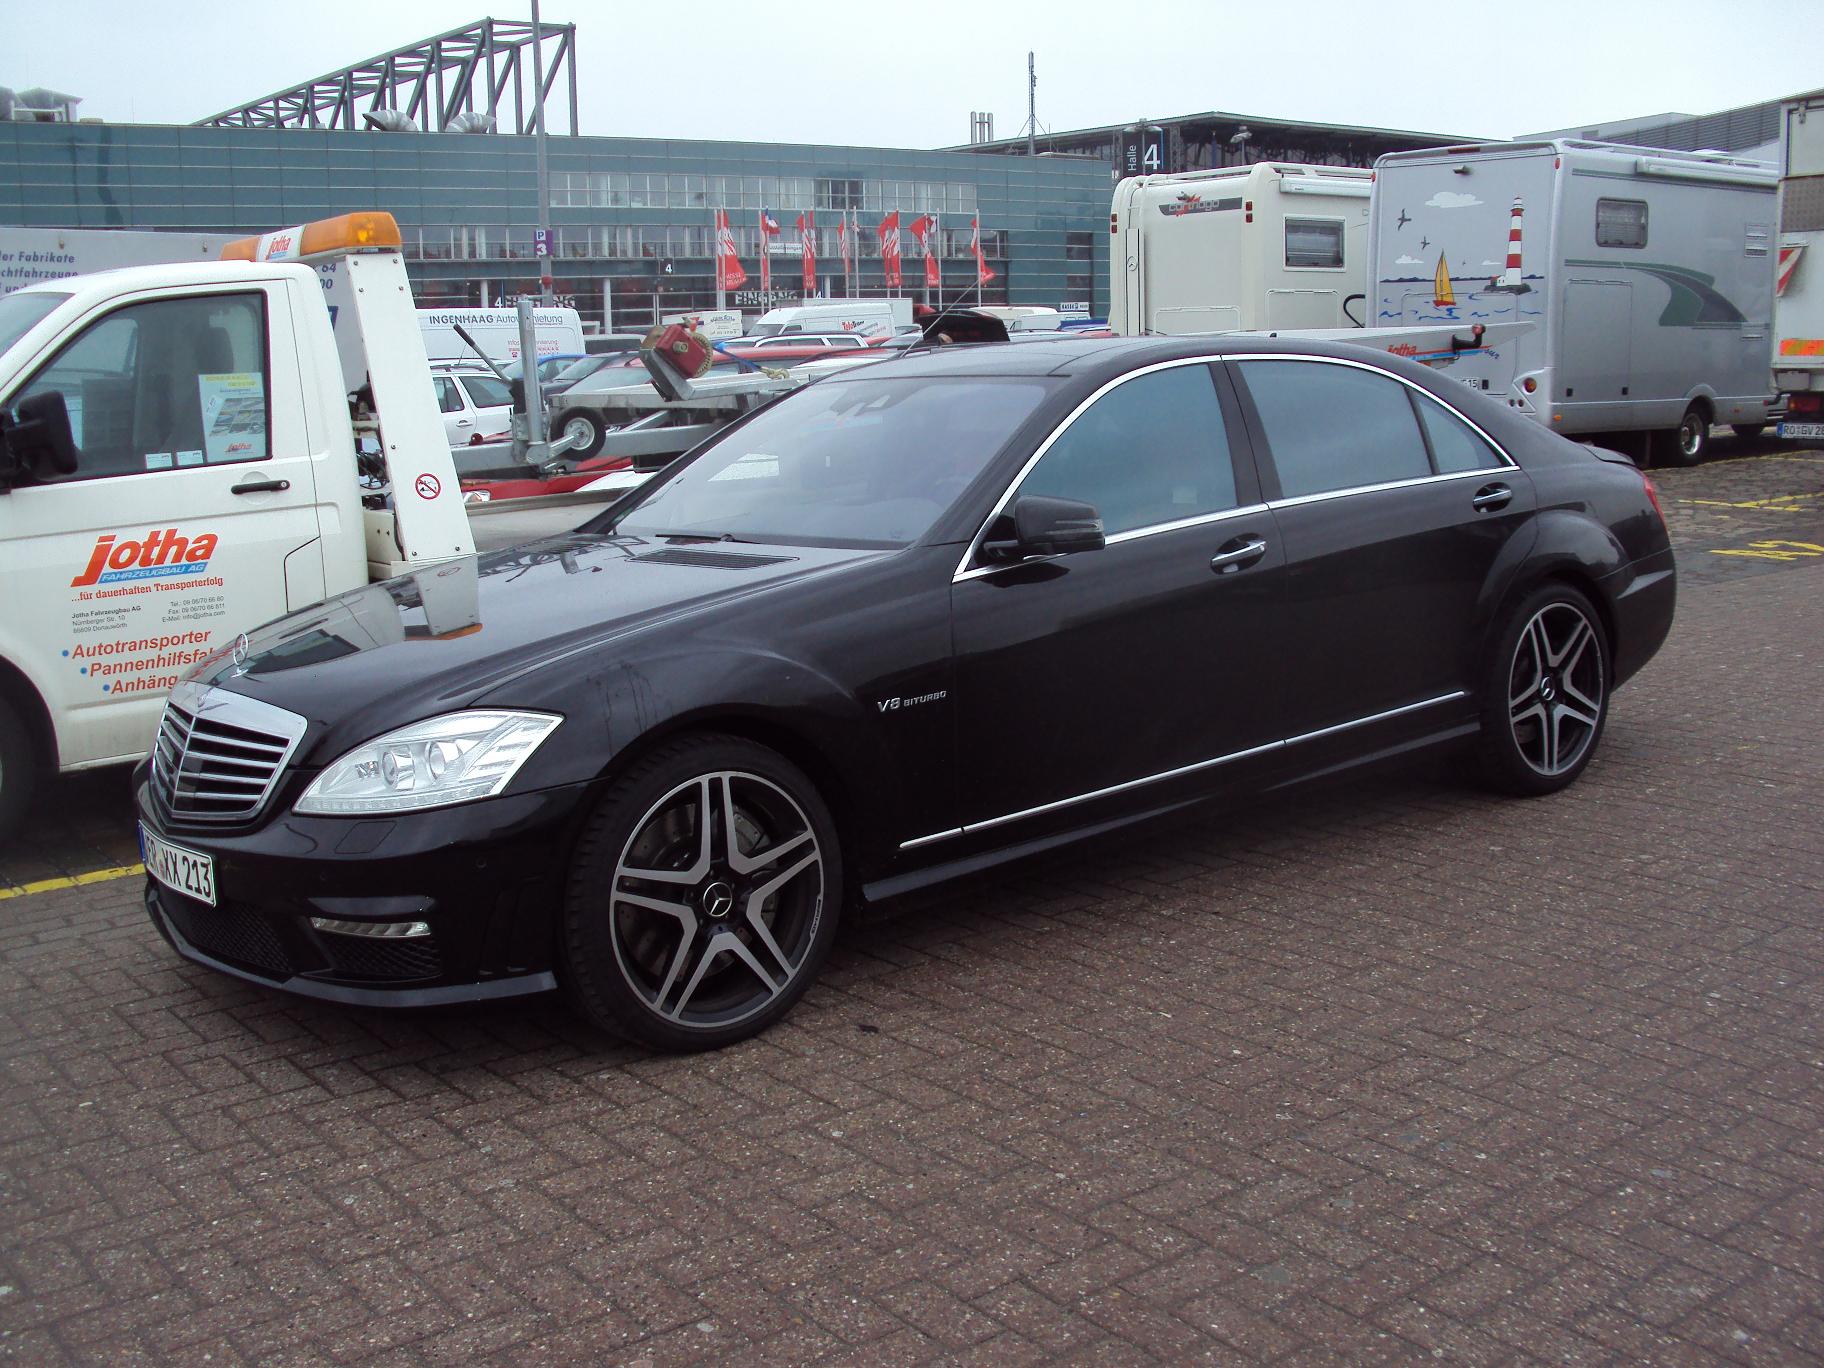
<point x="1805" y="403"/>
<point x="1653" y="498"/>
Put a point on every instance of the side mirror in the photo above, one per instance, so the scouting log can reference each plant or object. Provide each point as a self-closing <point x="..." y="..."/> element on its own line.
<point x="1044" y="526"/>
<point x="38" y="436"/>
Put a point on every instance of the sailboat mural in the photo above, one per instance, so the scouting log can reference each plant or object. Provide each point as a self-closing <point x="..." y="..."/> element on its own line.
<point x="1444" y="297"/>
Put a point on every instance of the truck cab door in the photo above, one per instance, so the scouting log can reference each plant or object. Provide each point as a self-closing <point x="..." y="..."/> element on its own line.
<point x="191" y="511"/>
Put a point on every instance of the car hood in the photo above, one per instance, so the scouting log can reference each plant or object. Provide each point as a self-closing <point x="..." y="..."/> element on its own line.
<point x="437" y="639"/>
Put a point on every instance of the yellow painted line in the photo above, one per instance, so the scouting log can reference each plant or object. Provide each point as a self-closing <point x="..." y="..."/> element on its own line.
<point x="1779" y="503"/>
<point x="94" y="876"/>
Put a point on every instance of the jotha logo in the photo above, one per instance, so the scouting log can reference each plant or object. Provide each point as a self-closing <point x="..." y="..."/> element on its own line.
<point x="155" y="556"/>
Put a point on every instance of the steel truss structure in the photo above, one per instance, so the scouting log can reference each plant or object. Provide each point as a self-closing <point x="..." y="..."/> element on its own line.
<point x="472" y="70"/>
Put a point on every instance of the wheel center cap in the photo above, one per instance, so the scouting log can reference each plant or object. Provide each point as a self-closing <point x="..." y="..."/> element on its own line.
<point x="1548" y="689"/>
<point x="718" y="899"/>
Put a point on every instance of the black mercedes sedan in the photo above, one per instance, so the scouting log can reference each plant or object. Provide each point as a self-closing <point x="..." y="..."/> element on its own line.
<point x="906" y="623"/>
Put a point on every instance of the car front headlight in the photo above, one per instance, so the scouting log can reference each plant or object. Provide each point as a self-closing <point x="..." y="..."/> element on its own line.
<point x="456" y="758"/>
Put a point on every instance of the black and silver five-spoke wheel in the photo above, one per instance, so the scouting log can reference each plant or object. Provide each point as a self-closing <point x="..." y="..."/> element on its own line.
<point x="703" y="897"/>
<point x="1545" y="695"/>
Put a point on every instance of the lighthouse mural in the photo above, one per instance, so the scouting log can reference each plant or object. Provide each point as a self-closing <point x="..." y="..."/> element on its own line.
<point x="1509" y="281"/>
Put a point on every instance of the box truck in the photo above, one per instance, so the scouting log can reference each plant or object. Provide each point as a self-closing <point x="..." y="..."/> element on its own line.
<point x="1274" y="245"/>
<point x="1798" y="310"/>
<point x="1649" y="276"/>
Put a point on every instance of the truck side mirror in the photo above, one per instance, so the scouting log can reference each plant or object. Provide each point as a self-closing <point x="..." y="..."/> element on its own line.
<point x="38" y="438"/>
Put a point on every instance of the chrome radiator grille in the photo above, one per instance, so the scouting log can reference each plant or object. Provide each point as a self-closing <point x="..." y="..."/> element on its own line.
<point x="219" y="755"/>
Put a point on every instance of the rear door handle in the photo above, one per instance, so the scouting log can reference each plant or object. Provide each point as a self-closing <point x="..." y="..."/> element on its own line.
<point x="261" y="487"/>
<point x="1244" y="551"/>
<point x="1490" y="497"/>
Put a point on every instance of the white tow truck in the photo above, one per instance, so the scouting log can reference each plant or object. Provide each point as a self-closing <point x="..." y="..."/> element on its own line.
<point x="188" y="450"/>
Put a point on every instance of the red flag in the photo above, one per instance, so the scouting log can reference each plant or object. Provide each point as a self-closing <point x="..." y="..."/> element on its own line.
<point x="982" y="274"/>
<point x="807" y="243"/>
<point x="924" y="228"/>
<point x="888" y="233"/>
<point x="769" y="228"/>
<point x="842" y="242"/>
<point x="729" y="275"/>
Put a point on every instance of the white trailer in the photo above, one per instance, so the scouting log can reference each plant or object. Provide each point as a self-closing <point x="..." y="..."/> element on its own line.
<point x="1798" y="311"/>
<point x="1648" y="274"/>
<point x="1273" y="245"/>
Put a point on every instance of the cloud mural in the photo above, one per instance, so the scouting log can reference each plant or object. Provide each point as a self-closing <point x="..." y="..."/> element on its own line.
<point x="1407" y="261"/>
<point x="1451" y="199"/>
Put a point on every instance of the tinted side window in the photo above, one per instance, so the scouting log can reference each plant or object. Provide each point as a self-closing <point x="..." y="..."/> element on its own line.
<point x="1334" y="427"/>
<point x="447" y="398"/>
<point x="164" y="385"/>
<point x="1152" y="450"/>
<point x="486" y="392"/>
<point x="1454" y="446"/>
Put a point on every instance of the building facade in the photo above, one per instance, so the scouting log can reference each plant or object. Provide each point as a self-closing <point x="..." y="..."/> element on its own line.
<point x="632" y="219"/>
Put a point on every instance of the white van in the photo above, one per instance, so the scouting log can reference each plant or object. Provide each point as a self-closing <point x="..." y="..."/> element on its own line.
<point x="497" y="333"/>
<point x="1273" y="245"/>
<point x="870" y="317"/>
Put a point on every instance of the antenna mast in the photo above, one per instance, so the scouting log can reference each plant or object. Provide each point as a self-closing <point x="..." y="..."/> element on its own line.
<point x="1032" y="108"/>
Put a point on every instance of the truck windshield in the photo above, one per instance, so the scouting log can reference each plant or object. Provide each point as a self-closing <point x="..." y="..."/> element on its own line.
<point x="855" y="463"/>
<point x="19" y="311"/>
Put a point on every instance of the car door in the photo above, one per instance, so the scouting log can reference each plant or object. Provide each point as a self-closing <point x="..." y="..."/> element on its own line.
<point x="458" y="423"/>
<point x="1113" y="669"/>
<point x="1394" y="513"/>
<point x="489" y="405"/>
<point x="191" y="514"/>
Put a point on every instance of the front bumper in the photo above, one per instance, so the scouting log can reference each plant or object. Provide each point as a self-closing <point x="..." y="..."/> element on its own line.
<point x="485" y="878"/>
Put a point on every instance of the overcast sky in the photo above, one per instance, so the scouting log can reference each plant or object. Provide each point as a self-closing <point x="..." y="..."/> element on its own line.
<point x="834" y="73"/>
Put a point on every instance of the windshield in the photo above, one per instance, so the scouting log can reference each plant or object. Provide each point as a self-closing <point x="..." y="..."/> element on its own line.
<point x="19" y="311"/>
<point x="865" y="463"/>
<point x="487" y="392"/>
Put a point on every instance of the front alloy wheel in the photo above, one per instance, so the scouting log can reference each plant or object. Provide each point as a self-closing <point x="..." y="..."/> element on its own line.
<point x="720" y="901"/>
<point x="1545" y="698"/>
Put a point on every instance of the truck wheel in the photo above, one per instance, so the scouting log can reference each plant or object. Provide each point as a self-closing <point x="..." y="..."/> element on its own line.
<point x="586" y="428"/>
<point x="703" y="895"/>
<point x="1690" y="441"/>
<point x="19" y="769"/>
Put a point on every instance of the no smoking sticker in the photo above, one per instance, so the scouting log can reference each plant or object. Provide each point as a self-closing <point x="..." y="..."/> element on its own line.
<point x="428" y="487"/>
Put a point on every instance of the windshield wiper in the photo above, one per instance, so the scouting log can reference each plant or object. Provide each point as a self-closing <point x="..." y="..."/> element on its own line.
<point x="703" y="537"/>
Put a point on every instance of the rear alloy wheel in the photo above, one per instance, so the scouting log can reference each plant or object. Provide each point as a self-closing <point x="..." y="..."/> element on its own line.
<point x="704" y="896"/>
<point x="1545" y="696"/>
<point x="587" y="431"/>
<point x="1690" y="442"/>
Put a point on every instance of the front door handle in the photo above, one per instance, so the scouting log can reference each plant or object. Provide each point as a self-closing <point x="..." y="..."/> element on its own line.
<point x="1490" y="497"/>
<point x="261" y="487"/>
<point x="465" y="422"/>
<point x="1243" y="551"/>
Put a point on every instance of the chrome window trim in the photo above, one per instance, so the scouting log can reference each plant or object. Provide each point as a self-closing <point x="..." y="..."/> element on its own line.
<point x="965" y="571"/>
<point x="1507" y="461"/>
<point x="972" y="827"/>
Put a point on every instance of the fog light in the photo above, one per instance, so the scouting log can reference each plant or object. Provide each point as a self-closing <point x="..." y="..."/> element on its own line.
<point x="404" y="930"/>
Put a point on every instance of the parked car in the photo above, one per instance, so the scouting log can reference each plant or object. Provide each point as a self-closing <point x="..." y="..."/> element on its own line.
<point x="474" y="403"/>
<point x="826" y="339"/>
<point x="903" y="624"/>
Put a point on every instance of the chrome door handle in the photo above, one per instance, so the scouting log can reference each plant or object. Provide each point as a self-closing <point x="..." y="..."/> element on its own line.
<point x="1491" y="497"/>
<point x="1225" y="562"/>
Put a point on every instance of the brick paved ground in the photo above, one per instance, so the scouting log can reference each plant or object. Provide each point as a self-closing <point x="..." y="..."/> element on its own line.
<point x="1392" y="1072"/>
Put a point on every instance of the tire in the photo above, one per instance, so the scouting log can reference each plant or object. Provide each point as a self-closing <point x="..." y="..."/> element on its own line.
<point x="1545" y="693"/>
<point x="588" y="426"/>
<point x="1689" y="443"/>
<point x="711" y="941"/>
<point x="1748" y="430"/>
<point x="20" y="769"/>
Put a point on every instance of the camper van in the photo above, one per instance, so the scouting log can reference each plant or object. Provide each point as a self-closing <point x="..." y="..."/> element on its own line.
<point x="1648" y="275"/>
<point x="870" y="317"/>
<point x="1798" y="309"/>
<point x="1274" y="245"/>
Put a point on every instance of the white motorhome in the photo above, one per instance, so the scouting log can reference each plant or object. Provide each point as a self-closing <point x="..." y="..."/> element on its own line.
<point x="1272" y="245"/>
<point x="559" y="331"/>
<point x="870" y="317"/>
<point x="1798" y="310"/>
<point x="1648" y="275"/>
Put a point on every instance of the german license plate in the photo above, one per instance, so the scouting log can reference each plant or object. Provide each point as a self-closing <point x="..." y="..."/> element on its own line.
<point x="1812" y="430"/>
<point x="182" y="871"/>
